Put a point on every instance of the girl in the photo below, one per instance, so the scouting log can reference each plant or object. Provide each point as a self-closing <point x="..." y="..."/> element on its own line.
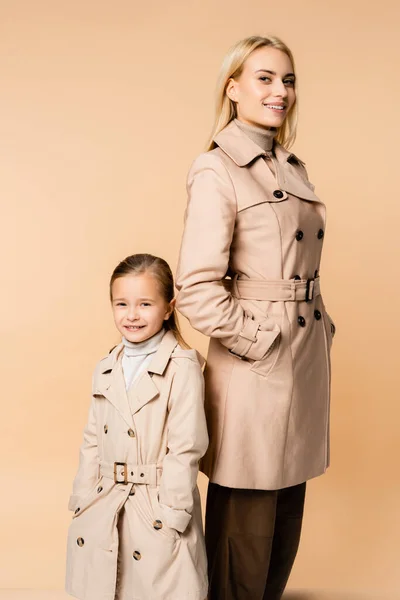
<point x="253" y="215"/>
<point x="136" y="532"/>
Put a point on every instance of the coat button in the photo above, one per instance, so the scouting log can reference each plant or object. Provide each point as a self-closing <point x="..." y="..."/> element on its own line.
<point x="80" y="542"/>
<point x="317" y="314"/>
<point x="99" y="489"/>
<point x="137" y="555"/>
<point x="131" y="433"/>
<point x="320" y="234"/>
<point x="278" y="194"/>
<point x="301" y="321"/>
<point x="77" y="510"/>
<point x="299" y="235"/>
<point x="157" y="524"/>
<point x="105" y="428"/>
<point x="297" y="278"/>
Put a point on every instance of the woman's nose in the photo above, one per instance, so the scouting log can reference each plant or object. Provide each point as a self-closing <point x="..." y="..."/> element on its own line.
<point x="279" y="88"/>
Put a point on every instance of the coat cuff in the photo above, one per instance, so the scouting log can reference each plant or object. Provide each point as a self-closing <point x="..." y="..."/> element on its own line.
<point x="73" y="502"/>
<point x="175" y="518"/>
<point x="254" y="342"/>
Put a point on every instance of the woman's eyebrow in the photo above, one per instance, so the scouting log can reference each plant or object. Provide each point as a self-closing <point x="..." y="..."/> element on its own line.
<point x="274" y="73"/>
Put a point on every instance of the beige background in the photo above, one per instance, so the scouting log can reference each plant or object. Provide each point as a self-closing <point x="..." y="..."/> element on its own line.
<point x="103" y="106"/>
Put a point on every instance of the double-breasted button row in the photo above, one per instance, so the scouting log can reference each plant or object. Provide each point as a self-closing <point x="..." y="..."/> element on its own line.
<point x="302" y="322"/>
<point x="300" y="234"/>
<point x="130" y="432"/>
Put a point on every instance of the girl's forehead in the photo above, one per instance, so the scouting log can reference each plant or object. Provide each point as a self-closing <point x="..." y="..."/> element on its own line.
<point x="143" y="284"/>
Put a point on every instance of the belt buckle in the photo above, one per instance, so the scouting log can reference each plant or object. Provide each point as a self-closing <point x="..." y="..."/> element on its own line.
<point x="309" y="290"/>
<point x="125" y="472"/>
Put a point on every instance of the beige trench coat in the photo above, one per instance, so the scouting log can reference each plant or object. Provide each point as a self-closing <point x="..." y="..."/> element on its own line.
<point x="158" y="430"/>
<point x="267" y="414"/>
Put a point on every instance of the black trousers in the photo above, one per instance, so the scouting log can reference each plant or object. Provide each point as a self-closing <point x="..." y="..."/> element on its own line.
<point x="252" y="537"/>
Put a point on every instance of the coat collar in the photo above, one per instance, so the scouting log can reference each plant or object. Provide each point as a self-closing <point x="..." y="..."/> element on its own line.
<point x="242" y="150"/>
<point x="110" y="381"/>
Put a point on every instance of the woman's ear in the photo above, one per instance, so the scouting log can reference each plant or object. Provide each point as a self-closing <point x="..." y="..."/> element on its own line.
<point x="231" y="90"/>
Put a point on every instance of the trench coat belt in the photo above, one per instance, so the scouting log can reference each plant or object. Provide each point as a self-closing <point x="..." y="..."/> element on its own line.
<point x="129" y="473"/>
<point x="280" y="290"/>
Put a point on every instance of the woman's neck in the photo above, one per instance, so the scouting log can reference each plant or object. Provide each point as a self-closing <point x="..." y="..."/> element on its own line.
<point x="264" y="138"/>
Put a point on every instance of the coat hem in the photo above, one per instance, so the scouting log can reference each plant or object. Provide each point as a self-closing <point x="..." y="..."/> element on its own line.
<point x="199" y="594"/>
<point x="241" y="485"/>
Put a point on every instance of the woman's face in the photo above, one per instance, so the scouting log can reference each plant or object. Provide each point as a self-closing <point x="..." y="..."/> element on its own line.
<point x="264" y="92"/>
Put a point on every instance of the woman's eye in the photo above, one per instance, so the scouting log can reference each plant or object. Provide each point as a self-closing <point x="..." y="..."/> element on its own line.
<point x="289" y="82"/>
<point x="265" y="78"/>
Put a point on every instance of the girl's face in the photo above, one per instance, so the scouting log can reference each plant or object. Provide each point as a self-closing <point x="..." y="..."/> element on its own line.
<point x="138" y="306"/>
<point x="265" y="90"/>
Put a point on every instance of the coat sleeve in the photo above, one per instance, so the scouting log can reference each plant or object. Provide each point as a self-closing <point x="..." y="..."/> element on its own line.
<point x="187" y="441"/>
<point x="89" y="463"/>
<point x="204" y="261"/>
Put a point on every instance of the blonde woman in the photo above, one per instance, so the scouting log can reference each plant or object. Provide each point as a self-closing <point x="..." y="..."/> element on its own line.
<point x="248" y="277"/>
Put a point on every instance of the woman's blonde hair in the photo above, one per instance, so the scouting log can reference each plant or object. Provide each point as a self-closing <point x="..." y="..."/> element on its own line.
<point x="232" y="67"/>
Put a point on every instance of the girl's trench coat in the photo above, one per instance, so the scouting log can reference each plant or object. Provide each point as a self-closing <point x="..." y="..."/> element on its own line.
<point x="153" y="437"/>
<point x="248" y="277"/>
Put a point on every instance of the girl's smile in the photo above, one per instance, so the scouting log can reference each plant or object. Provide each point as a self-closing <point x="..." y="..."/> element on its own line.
<point x="139" y="308"/>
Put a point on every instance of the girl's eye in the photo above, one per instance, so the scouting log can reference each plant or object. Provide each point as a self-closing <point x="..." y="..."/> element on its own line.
<point x="265" y="78"/>
<point x="145" y="304"/>
<point x="121" y="304"/>
<point x="289" y="82"/>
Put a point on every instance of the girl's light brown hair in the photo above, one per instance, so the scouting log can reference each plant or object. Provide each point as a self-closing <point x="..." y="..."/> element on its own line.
<point x="232" y="67"/>
<point x="138" y="264"/>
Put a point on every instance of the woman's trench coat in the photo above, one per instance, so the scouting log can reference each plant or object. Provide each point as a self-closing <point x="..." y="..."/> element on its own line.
<point x="140" y="453"/>
<point x="248" y="277"/>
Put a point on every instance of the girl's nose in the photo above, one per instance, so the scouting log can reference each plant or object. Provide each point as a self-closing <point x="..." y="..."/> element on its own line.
<point x="133" y="314"/>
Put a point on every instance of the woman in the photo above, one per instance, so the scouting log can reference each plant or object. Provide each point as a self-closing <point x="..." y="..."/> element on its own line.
<point x="248" y="277"/>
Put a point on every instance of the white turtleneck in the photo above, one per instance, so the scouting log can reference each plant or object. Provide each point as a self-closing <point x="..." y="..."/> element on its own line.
<point x="137" y="356"/>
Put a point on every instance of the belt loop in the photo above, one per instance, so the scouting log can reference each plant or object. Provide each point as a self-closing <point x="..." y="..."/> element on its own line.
<point x="292" y="290"/>
<point x="309" y="290"/>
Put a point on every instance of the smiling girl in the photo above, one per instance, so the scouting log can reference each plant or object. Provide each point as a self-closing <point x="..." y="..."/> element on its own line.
<point x="248" y="277"/>
<point x="137" y="527"/>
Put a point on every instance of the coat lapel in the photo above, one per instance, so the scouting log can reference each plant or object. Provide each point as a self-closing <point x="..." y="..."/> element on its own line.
<point x="142" y="392"/>
<point x="243" y="151"/>
<point x="144" y="389"/>
<point x="110" y="383"/>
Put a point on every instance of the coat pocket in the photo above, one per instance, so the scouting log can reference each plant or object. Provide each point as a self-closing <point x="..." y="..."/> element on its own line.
<point x="84" y="502"/>
<point x="264" y="367"/>
<point x="148" y="507"/>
